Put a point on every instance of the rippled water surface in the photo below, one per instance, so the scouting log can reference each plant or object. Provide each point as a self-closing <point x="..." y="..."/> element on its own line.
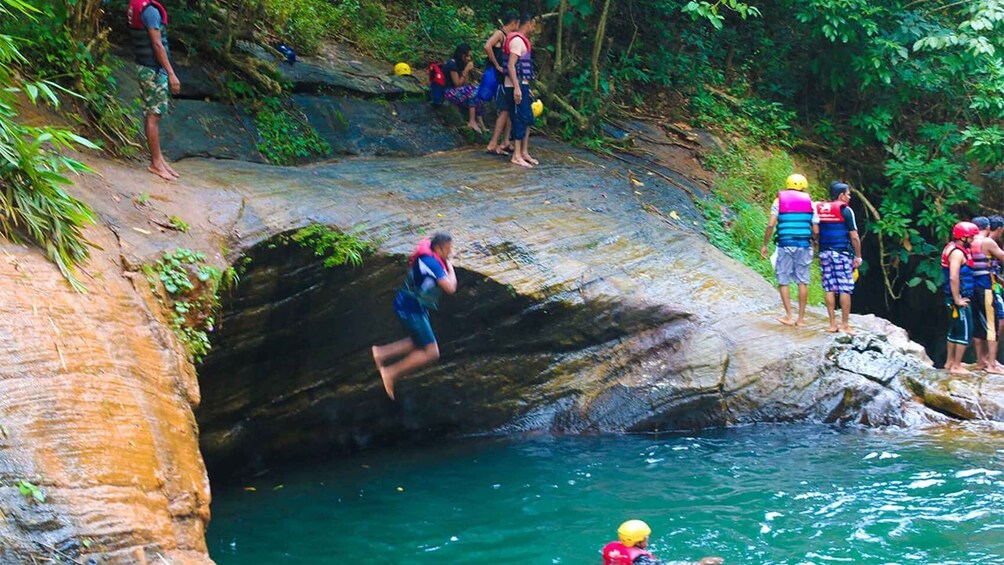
<point x="764" y="494"/>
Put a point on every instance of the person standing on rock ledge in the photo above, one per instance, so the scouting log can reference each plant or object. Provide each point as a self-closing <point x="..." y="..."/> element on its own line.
<point x="148" y="31"/>
<point x="838" y="238"/>
<point x="957" y="265"/>
<point x="430" y="274"/>
<point x="795" y="216"/>
<point x="519" y="74"/>
<point x="986" y="309"/>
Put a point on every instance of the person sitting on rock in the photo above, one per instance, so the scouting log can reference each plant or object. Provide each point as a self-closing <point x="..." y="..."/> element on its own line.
<point x="986" y="253"/>
<point x="493" y="48"/>
<point x="957" y="265"/>
<point x="430" y="274"/>
<point x="838" y="239"/>
<point x="797" y="225"/>
<point x="460" y="89"/>
<point x="631" y="547"/>
<point x="148" y="30"/>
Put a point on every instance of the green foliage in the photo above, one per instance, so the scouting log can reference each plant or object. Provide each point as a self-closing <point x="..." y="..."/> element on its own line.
<point x="286" y="136"/>
<point x="335" y="247"/>
<point x="179" y="224"/>
<point x="304" y="24"/>
<point x="30" y="491"/>
<point x="192" y="290"/>
<point x="33" y="170"/>
<point x="712" y="11"/>
<point x="60" y="41"/>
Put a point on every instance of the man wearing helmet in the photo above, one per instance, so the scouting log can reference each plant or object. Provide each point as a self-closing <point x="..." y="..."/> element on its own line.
<point x="631" y="547"/>
<point x="957" y="265"/>
<point x="986" y="309"/>
<point x="797" y="224"/>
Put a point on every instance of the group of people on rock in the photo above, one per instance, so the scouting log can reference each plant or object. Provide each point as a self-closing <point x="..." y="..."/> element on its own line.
<point x="802" y="224"/>
<point x="971" y="263"/>
<point x="510" y="69"/>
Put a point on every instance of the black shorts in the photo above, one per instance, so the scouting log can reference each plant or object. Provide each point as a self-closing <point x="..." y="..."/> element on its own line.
<point x="960" y="322"/>
<point x="984" y="314"/>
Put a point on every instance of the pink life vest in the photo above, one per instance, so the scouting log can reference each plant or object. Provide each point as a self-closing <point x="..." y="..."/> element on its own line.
<point x="616" y="553"/>
<point x="135" y="12"/>
<point x="794" y="201"/>
<point x="424" y="247"/>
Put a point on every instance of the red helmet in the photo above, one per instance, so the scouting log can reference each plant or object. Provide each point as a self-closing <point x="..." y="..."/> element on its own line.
<point x="965" y="229"/>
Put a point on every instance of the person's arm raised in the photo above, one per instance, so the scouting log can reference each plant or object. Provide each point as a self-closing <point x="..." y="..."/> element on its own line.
<point x="449" y="282"/>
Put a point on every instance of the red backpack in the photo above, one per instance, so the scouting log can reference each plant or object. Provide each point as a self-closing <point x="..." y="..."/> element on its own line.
<point x="436" y="74"/>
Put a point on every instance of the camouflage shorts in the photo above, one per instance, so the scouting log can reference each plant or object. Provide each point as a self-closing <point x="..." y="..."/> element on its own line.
<point x="154" y="90"/>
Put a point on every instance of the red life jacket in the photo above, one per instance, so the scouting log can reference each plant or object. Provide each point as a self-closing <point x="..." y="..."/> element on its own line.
<point x="436" y="74"/>
<point x="966" y="278"/>
<point x="514" y="35"/>
<point x="616" y="553"/>
<point x="424" y="248"/>
<point x="135" y="12"/>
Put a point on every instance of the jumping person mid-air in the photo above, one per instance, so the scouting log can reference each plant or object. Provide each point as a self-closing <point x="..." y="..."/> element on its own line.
<point x="430" y="274"/>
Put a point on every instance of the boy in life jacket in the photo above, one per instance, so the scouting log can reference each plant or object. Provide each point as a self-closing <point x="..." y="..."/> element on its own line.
<point x="957" y="266"/>
<point x="147" y="21"/>
<point x="631" y="547"/>
<point x="986" y="254"/>
<point x="430" y="274"/>
<point x="838" y="239"/>
<point x="519" y="74"/>
<point x="797" y="225"/>
<point x="494" y="48"/>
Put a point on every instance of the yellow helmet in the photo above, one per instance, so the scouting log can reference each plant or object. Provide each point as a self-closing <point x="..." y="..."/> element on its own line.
<point x="537" y="107"/>
<point x="633" y="532"/>
<point x="402" y="70"/>
<point x="797" y="182"/>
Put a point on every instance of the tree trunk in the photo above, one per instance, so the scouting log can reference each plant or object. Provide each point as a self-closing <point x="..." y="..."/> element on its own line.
<point x="601" y="32"/>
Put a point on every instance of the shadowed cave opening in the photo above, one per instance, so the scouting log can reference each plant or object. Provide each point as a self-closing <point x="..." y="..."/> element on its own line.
<point x="290" y="377"/>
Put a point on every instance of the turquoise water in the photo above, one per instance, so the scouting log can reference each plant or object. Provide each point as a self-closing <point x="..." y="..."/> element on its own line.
<point x="763" y="494"/>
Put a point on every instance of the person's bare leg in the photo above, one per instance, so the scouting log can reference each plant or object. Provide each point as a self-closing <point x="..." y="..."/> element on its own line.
<point x="992" y="365"/>
<point x="786" y="301"/>
<point x="507" y="132"/>
<point x="392" y="350"/>
<point x="494" y="146"/>
<point x="803" y="297"/>
<point x="157" y="164"/>
<point x="949" y="356"/>
<point x="845" y="314"/>
<point x="960" y="351"/>
<point x="517" y="156"/>
<point x="831" y="307"/>
<point x="980" y="346"/>
<point x="472" y="119"/>
<point x="526" y="149"/>
<point x="414" y="360"/>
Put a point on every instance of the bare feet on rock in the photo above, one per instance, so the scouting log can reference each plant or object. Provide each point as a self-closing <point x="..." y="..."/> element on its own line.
<point x="959" y="371"/>
<point x="529" y="159"/>
<point x="474" y="126"/>
<point x="832" y="329"/>
<point x="162" y="172"/>
<point x="847" y="330"/>
<point x="520" y="162"/>
<point x="785" y="321"/>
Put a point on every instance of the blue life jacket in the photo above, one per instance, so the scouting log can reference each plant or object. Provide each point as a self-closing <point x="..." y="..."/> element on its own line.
<point x="833" y="232"/>
<point x="524" y="65"/>
<point x="794" y="219"/>
<point x="966" y="279"/>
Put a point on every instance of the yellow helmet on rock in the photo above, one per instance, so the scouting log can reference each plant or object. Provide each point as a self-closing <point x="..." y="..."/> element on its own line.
<point x="796" y="182"/>
<point x="633" y="532"/>
<point x="402" y="70"/>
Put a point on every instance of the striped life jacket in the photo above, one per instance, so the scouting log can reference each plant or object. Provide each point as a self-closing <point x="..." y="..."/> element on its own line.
<point x="141" y="45"/>
<point x="966" y="281"/>
<point x="524" y="65"/>
<point x="794" y="219"/>
<point x="983" y="266"/>
<point x="833" y="232"/>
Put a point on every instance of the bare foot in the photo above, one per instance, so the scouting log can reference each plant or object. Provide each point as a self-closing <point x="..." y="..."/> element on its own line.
<point x="162" y="173"/>
<point x="785" y="321"/>
<point x="388" y="382"/>
<point x="530" y="159"/>
<point x="521" y="163"/>
<point x="832" y="329"/>
<point x="474" y="127"/>
<point x="959" y="371"/>
<point x="376" y="358"/>
<point x="800" y="323"/>
<point x="996" y="369"/>
<point x="847" y="330"/>
<point x="172" y="171"/>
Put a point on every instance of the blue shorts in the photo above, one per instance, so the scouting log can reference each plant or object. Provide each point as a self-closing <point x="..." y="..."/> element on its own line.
<point x="522" y="115"/>
<point x="418" y="327"/>
<point x="837" y="271"/>
<point x="960" y="322"/>
<point x="503" y="99"/>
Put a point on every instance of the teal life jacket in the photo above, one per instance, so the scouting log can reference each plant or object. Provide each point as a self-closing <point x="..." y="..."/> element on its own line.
<point x="794" y="219"/>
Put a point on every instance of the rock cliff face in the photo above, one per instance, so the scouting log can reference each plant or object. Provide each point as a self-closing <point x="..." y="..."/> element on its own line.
<point x="588" y="302"/>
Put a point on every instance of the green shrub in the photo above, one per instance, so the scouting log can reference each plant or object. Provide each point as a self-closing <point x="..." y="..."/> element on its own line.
<point x="192" y="295"/>
<point x="303" y="24"/>
<point x="286" y="136"/>
<point x="335" y="247"/>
